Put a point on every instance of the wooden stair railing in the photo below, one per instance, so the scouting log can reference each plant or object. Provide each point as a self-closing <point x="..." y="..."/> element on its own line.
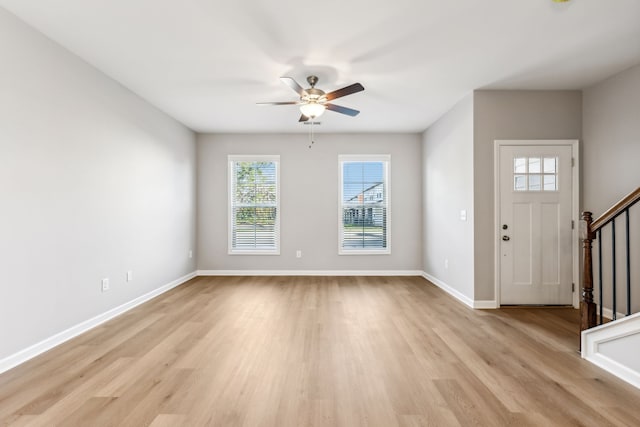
<point x="592" y="230"/>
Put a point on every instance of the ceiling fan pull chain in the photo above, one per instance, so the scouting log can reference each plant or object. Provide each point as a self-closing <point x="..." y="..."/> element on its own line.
<point x="311" y="134"/>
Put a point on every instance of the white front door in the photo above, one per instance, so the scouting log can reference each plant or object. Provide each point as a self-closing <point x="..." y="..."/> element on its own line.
<point x="535" y="224"/>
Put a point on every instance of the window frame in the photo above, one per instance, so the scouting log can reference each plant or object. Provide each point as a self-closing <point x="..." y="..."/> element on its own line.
<point x="231" y="159"/>
<point x="360" y="158"/>
<point x="541" y="174"/>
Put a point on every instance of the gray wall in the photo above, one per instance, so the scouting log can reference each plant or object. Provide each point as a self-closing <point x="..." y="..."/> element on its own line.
<point x="309" y="201"/>
<point x="93" y="182"/>
<point x="611" y="150"/>
<point x="447" y="167"/>
<point x="511" y="115"/>
<point x="611" y="146"/>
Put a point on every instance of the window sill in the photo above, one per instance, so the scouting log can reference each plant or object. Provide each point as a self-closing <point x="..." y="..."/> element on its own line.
<point x="254" y="252"/>
<point x="357" y="252"/>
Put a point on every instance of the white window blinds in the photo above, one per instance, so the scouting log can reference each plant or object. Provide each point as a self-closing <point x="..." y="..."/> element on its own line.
<point x="254" y="205"/>
<point x="364" y="214"/>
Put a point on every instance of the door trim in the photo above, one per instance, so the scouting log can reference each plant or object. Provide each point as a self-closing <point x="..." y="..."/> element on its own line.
<point x="575" y="204"/>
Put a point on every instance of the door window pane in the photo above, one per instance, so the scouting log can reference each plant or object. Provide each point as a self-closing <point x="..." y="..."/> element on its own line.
<point x="550" y="183"/>
<point x="550" y="164"/>
<point x="534" y="182"/>
<point x="534" y="165"/>
<point x="520" y="183"/>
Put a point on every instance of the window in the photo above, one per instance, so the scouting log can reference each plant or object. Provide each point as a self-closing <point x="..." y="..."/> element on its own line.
<point x="535" y="174"/>
<point x="254" y="205"/>
<point x="364" y="214"/>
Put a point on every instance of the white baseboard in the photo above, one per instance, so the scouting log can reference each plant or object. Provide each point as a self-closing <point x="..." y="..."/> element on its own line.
<point x="309" y="273"/>
<point x="448" y="289"/>
<point x="59" y="338"/>
<point x="619" y="329"/>
<point x="489" y="304"/>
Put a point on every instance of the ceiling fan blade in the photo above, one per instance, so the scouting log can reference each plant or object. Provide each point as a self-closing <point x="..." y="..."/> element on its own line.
<point x="303" y="118"/>
<point x="356" y="87"/>
<point x="293" y="85"/>
<point x="342" y="110"/>
<point x="279" y="103"/>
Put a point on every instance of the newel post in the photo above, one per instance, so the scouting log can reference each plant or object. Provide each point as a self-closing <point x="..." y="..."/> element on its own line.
<point x="587" y="306"/>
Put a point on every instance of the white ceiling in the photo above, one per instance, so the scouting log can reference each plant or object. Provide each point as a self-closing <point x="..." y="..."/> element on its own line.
<point x="207" y="62"/>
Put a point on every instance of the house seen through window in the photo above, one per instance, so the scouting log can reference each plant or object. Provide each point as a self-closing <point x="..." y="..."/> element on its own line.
<point x="364" y="215"/>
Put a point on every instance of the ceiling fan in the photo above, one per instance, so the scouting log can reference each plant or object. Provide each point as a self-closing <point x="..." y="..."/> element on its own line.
<point x="313" y="102"/>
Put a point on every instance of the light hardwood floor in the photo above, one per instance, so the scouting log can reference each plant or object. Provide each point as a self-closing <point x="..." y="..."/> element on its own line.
<point x="318" y="351"/>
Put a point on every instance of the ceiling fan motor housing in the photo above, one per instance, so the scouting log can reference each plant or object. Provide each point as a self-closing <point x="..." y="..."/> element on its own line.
<point x="312" y="80"/>
<point x="312" y="95"/>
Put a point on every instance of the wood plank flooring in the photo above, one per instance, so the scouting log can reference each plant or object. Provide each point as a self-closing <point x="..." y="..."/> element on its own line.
<point x="319" y="351"/>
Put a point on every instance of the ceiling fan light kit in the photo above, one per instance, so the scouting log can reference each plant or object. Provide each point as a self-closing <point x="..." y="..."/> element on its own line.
<point x="312" y="109"/>
<point x="313" y="102"/>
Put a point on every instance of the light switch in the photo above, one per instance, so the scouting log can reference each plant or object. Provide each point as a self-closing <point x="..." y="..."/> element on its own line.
<point x="463" y="215"/>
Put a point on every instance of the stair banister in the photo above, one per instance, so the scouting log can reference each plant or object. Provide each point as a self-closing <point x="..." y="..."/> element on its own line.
<point x="590" y="231"/>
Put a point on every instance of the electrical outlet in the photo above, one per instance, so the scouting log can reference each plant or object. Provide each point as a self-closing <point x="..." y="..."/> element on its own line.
<point x="446" y="264"/>
<point x="298" y="253"/>
<point x="190" y="254"/>
<point x="129" y="276"/>
<point x="105" y="285"/>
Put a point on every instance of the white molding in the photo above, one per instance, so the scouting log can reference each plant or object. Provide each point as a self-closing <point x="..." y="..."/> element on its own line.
<point x="575" y="212"/>
<point x="485" y="305"/>
<point x="594" y="337"/>
<point x="61" y="337"/>
<point x="309" y="273"/>
<point x="448" y="289"/>
<point x="575" y="216"/>
<point x="496" y="221"/>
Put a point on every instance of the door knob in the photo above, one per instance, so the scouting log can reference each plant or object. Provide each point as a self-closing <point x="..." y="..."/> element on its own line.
<point x="506" y="238"/>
